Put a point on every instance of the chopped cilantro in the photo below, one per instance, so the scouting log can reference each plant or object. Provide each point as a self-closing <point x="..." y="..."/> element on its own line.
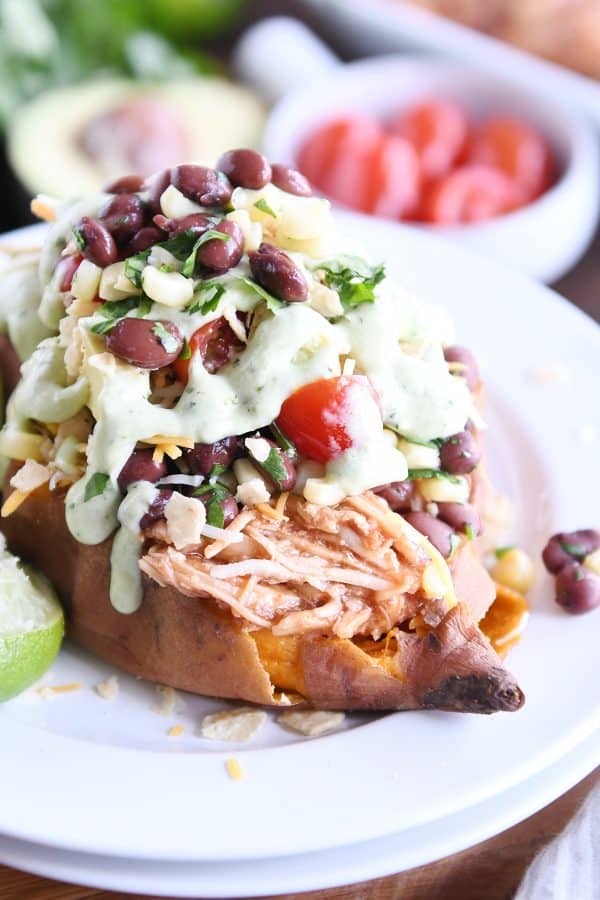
<point x="470" y="532"/>
<point x="286" y="445"/>
<point x="135" y="265"/>
<point x="432" y="473"/>
<point x="144" y="306"/>
<point x="112" y="313"/>
<point x="499" y="552"/>
<point x="454" y="545"/>
<point x="95" y="485"/>
<point x="186" y="351"/>
<point x="206" y="297"/>
<point x="215" y="494"/>
<point x="168" y="340"/>
<point x="210" y="235"/>
<point x="576" y="550"/>
<point x="273" y="303"/>
<point x="214" y="514"/>
<point x="264" y="207"/>
<point x="353" y="280"/>
<point x="79" y="238"/>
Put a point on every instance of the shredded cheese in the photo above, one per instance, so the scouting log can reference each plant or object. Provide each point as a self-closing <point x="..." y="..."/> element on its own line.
<point x="176" y="731"/>
<point x="234" y="769"/>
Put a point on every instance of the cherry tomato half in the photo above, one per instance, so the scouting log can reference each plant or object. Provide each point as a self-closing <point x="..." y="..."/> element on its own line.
<point x="468" y="194"/>
<point x="215" y="342"/>
<point x="317" y="417"/>
<point x="354" y="162"/>
<point x="438" y="131"/>
<point x="519" y="150"/>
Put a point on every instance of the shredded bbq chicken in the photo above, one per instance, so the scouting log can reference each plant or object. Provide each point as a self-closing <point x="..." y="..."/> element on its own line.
<point x="339" y="570"/>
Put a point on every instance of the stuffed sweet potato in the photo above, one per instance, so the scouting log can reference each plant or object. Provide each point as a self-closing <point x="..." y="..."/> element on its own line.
<point x="245" y="458"/>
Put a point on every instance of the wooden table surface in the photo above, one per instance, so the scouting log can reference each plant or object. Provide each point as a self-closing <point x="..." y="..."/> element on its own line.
<point x="490" y="870"/>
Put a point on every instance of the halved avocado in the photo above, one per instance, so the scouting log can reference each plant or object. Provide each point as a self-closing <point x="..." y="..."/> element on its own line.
<point x="51" y="151"/>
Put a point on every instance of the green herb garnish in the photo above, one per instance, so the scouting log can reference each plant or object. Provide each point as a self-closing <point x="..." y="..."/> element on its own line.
<point x="275" y="467"/>
<point x="273" y="303"/>
<point x="95" y="485"/>
<point x="210" y="235"/>
<point x="454" y="545"/>
<point x="432" y="473"/>
<point x="284" y="442"/>
<point x="499" y="552"/>
<point x="353" y="280"/>
<point x="168" y="340"/>
<point x="264" y="207"/>
<point x="79" y="238"/>
<point x="206" y="297"/>
<point x="576" y="550"/>
<point x="214" y="504"/>
<point x="112" y="313"/>
<point x="135" y="265"/>
<point x="144" y="306"/>
<point x="186" y="350"/>
<point x="470" y="532"/>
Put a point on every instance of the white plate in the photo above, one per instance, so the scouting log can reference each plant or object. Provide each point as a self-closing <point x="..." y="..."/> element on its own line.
<point x="105" y="777"/>
<point x="375" y="26"/>
<point x="312" y="871"/>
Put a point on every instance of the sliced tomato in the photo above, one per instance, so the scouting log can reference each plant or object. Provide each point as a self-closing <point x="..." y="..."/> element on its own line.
<point x="438" y="131"/>
<point x="519" y="150"/>
<point x="68" y="267"/>
<point x="215" y="342"/>
<point x="468" y="194"/>
<point x="317" y="417"/>
<point x="393" y="179"/>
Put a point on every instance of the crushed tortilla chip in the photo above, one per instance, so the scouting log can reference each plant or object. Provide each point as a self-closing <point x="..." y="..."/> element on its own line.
<point x="233" y="724"/>
<point x="311" y="722"/>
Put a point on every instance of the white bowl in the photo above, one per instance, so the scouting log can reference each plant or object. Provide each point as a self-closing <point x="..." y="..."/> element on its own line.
<point x="543" y="239"/>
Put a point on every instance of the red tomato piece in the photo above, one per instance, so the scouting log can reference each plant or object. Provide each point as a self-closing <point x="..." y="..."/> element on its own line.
<point x="393" y="179"/>
<point x="215" y="342"/>
<point x="468" y="194"/>
<point x="438" y="130"/>
<point x="335" y="158"/>
<point x="317" y="417"/>
<point x="68" y="266"/>
<point x="519" y="150"/>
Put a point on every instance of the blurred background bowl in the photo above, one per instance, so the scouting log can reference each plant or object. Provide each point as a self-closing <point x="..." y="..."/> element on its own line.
<point x="542" y="239"/>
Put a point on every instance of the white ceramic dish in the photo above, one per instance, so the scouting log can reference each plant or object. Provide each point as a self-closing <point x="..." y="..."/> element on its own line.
<point x="312" y="871"/>
<point x="543" y="239"/>
<point x="107" y="780"/>
<point x="383" y="26"/>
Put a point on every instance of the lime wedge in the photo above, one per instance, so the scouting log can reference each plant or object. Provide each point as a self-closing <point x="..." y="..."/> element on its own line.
<point x="31" y="625"/>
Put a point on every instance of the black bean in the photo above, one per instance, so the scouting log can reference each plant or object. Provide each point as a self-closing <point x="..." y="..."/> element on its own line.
<point x="123" y="216"/>
<point x="435" y="531"/>
<point x="460" y="516"/>
<point x="202" y="185"/>
<point x="277" y="273"/>
<point x="145" y="343"/>
<point x="280" y="473"/>
<point x="156" y="510"/>
<point x="196" y="223"/>
<point x="470" y="372"/>
<point x="128" y="184"/>
<point x="569" y="546"/>
<point x="459" y="454"/>
<point x="98" y="244"/>
<point x="398" y="494"/>
<point x="203" y="457"/>
<point x="290" y="180"/>
<point x="246" y="168"/>
<point x="222" y="255"/>
<point x="141" y="467"/>
<point x="228" y="506"/>
<point x="577" y="589"/>
<point x="156" y="186"/>
<point x="146" y="237"/>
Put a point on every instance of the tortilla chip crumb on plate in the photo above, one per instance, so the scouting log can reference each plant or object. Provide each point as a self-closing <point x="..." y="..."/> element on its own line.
<point x="168" y="701"/>
<point x="311" y="722"/>
<point x="233" y="724"/>
<point x="234" y="769"/>
<point x="109" y="688"/>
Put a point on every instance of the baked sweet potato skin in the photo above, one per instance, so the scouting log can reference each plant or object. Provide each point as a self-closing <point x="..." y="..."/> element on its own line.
<point x="190" y="644"/>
